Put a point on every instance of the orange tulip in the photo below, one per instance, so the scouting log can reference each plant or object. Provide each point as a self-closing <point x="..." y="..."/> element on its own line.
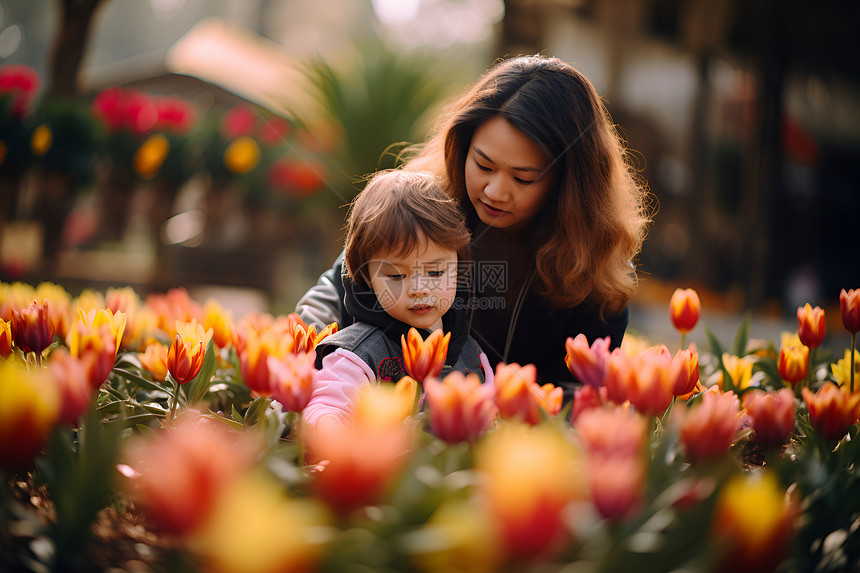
<point x="685" y="371"/>
<point x="530" y="474"/>
<point x="97" y="333"/>
<point x="685" y="309"/>
<point x="292" y="379"/>
<point x="611" y="431"/>
<point x="359" y="462"/>
<point x="832" y="410"/>
<point x="616" y="483"/>
<point x="254" y="350"/>
<point x="708" y="429"/>
<point x="177" y="474"/>
<point x="154" y="360"/>
<point x="810" y="325"/>
<point x="587" y="363"/>
<point x="461" y="408"/>
<point x="184" y="359"/>
<point x="754" y="523"/>
<point x="424" y="358"/>
<point x="71" y="376"/>
<point x="849" y="308"/>
<point x="517" y="392"/>
<point x="127" y="301"/>
<point x="793" y="363"/>
<point x="772" y="415"/>
<point x="220" y="321"/>
<point x="646" y="380"/>
<point x="32" y="328"/>
<point x="306" y="337"/>
<point x="29" y="405"/>
<point x="5" y="339"/>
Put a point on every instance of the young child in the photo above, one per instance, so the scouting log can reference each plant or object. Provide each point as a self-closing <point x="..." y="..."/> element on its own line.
<point x="405" y="242"/>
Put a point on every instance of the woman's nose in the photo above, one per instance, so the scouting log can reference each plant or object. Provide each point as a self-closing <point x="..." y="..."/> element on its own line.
<point x="495" y="189"/>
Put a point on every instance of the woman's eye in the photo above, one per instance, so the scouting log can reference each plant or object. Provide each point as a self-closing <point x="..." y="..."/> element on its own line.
<point x="482" y="167"/>
<point x="523" y="181"/>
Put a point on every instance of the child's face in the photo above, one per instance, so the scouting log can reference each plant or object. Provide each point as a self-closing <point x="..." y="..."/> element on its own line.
<point x="508" y="179"/>
<point x="416" y="288"/>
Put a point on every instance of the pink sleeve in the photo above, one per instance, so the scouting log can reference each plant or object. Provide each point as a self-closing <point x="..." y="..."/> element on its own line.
<point x="489" y="375"/>
<point x="336" y="385"/>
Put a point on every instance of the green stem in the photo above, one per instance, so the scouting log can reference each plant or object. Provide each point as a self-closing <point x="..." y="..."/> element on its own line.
<point x="175" y="400"/>
<point x="853" y="335"/>
<point x="683" y="339"/>
<point x="809" y="366"/>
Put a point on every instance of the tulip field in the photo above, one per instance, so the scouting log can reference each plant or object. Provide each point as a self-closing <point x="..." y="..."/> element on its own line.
<point x="162" y="433"/>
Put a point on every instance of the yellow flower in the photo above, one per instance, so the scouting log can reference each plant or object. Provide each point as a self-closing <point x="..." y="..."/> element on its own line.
<point x="277" y="533"/>
<point x="29" y="406"/>
<point x="220" y="321"/>
<point x="740" y="369"/>
<point x="793" y="363"/>
<point x="41" y="140"/>
<point x="5" y="338"/>
<point x="242" y="155"/>
<point x="150" y="155"/>
<point x="841" y="369"/>
<point x="455" y="539"/>
<point x="755" y="521"/>
<point x="529" y="476"/>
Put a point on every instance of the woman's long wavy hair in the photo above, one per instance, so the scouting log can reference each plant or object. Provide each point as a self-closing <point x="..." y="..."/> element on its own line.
<point x="592" y="226"/>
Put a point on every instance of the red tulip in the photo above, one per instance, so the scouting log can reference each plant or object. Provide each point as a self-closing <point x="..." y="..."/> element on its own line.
<point x="849" y="308"/>
<point x="832" y="410"/>
<point x="32" y="327"/>
<point x="708" y="429"/>
<point x="772" y="415"/>
<point x="793" y="363"/>
<point x="292" y="379"/>
<point x="184" y="359"/>
<point x="810" y="325"/>
<point x="461" y="408"/>
<point x="685" y="309"/>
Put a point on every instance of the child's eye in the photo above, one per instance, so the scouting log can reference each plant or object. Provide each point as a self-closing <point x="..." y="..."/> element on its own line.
<point x="399" y="277"/>
<point x="435" y="273"/>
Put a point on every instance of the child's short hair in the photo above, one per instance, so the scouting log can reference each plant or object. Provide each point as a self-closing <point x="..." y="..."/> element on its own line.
<point x="397" y="211"/>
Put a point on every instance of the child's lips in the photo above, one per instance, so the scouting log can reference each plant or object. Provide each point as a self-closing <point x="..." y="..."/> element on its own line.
<point x="421" y="308"/>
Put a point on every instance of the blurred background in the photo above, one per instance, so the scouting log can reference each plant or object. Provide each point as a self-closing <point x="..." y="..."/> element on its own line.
<point x="214" y="144"/>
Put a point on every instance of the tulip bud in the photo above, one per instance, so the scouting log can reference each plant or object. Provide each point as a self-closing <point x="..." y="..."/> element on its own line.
<point x="184" y="359"/>
<point x="832" y="410"/>
<point x="685" y="309"/>
<point x="849" y="308"/>
<point x="810" y="325"/>
<point x="461" y="408"/>
<point x="772" y="416"/>
<point x="154" y="360"/>
<point x="793" y="363"/>
<point x="292" y="380"/>
<point x="708" y="429"/>
<point x="32" y="328"/>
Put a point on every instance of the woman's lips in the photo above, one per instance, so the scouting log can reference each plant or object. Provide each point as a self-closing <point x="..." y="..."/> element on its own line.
<point x="492" y="211"/>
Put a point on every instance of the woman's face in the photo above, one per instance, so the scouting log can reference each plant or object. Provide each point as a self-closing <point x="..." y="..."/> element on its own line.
<point x="508" y="178"/>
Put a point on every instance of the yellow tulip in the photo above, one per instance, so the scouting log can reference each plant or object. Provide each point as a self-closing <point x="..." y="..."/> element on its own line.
<point x="242" y="155"/>
<point x="41" y="140"/>
<point x="150" y="155"/>
<point x="29" y="406"/>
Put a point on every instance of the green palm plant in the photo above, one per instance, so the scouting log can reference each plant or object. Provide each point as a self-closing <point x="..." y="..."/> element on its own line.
<point x="379" y="101"/>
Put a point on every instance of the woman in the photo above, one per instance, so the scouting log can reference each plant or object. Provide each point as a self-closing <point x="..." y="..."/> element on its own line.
<point x="557" y="215"/>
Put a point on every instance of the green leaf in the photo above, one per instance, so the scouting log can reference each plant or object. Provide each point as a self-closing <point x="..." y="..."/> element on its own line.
<point x="256" y="411"/>
<point x="141" y="381"/>
<point x="197" y="388"/>
<point x="742" y="336"/>
<point x="716" y="347"/>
